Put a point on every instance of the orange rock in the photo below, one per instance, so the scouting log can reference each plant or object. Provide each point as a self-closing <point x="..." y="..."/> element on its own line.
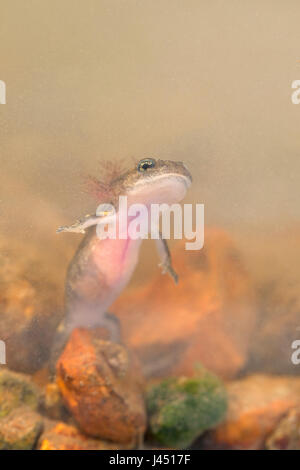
<point x="287" y="434"/>
<point x="208" y="317"/>
<point x="102" y="387"/>
<point x="60" y="436"/>
<point x="255" y="406"/>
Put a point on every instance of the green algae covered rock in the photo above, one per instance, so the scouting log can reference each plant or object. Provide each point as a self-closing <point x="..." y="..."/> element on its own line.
<point x="16" y="390"/>
<point x="20" y="429"/>
<point x="180" y="409"/>
<point x="20" y="424"/>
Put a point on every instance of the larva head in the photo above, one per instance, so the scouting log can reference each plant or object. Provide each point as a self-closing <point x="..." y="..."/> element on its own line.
<point x="154" y="181"/>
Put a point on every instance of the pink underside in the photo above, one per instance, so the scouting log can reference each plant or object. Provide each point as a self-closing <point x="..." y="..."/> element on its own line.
<point x="117" y="258"/>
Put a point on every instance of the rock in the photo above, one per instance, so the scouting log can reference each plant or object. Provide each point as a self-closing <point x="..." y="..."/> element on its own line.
<point x="278" y="327"/>
<point x="15" y="390"/>
<point x="53" y="405"/>
<point x="61" y="436"/>
<point x="208" y="317"/>
<point x="101" y="386"/>
<point x="28" y="312"/>
<point x="181" y="409"/>
<point x="20" y="425"/>
<point x="287" y="434"/>
<point x="256" y="404"/>
<point x="20" y="429"/>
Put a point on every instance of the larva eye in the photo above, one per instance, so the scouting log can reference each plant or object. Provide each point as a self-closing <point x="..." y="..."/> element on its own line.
<point x="146" y="164"/>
